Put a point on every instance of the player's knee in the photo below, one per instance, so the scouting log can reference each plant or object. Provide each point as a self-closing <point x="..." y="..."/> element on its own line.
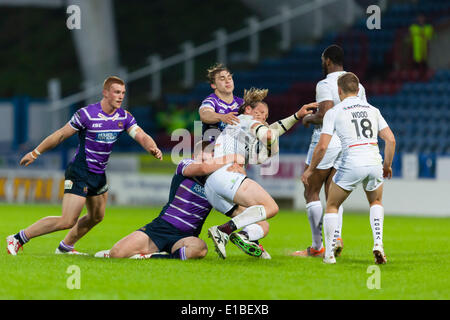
<point x="65" y="224"/>
<point x="271" y="209"/>
<point x="311" y="194"/>
<point x="196" y="249"/>
<point x="202" y="252"/>
<point x="95" y="219"/>
<point x="307" y="192"/>
<point x="116" y="252"/>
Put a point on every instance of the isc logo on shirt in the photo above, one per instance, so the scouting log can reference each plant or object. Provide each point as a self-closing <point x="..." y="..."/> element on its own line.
<point x="96" y="125"/>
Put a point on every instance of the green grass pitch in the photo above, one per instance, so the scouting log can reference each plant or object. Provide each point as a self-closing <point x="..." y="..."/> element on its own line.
<point x="416" y="248"/>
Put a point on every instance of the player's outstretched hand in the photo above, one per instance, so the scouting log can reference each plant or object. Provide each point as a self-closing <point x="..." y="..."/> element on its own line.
<point x="27" y="160"/>
<point x="307" y="109"/>
<point x="230" y="118"/>
<point x="387" y="172"/>
<point x="236" y="168"/>
<point x="305" y="177"/>
<point x="156" y="153"/>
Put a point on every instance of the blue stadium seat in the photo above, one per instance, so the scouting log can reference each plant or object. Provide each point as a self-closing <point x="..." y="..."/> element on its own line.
<point x="417" y="113"/>
<point x="427" y="165"/>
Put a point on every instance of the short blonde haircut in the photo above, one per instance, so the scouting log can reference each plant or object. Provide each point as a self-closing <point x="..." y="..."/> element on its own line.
<point x="112" y="80"/>
<point x="348" y="82"/>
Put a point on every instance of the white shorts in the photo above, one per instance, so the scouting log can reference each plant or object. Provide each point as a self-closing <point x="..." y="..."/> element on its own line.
<point x="221" y="186"/>
<point x="371" y="177"/>
<point x="332" y="157"/>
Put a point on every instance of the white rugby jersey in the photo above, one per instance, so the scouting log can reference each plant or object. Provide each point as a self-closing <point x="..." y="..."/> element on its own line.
<point x="357" y="124"/>
<point x="236" y="139"/>
<point x="326" y="90"/>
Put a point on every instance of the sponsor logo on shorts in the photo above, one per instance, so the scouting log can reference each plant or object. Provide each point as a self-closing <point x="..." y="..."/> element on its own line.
<point x="85" y="190"/>
<point x="68" y="184"/>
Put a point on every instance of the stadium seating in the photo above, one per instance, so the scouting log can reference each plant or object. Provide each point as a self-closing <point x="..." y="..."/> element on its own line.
<point x="414" y="102"/>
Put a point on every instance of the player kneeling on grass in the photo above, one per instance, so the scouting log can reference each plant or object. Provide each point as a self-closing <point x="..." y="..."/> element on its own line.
<point x="174" y="233"/>
<point x="358" y="125"/>
<point x="225" y="190"/>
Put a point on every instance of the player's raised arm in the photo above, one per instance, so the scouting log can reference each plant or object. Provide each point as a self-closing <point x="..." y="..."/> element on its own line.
<point x="48" y="143"/>
<point x="145" y="141"/>
<point x="287" y="123"/>
<point x="269" y="134"/>
<point x="389" y="149"/>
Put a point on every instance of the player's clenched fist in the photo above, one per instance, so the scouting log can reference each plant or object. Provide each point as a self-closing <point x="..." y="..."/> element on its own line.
<point x="306" y="109"/>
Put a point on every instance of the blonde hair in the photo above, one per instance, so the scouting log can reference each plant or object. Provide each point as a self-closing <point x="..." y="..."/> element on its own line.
<point x="112" y="80"/>
<point x="252" y="97"/>
<point x="255" y="95"/>
<point x="214" y="70"/>
<point x="348" y="82"/>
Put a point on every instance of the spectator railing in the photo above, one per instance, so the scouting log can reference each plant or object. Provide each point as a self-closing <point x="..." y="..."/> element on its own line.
<point x="189" y="52"/>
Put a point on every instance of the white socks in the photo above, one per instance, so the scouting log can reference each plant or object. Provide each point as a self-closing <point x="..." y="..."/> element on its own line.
<point x="254" y="232"/>
<point x="314" y="211"/>
<point x="376" y="222"/>
<point x="249" y="216"/>
<point x="340" y="213"/>
<point x="330" y="228"/>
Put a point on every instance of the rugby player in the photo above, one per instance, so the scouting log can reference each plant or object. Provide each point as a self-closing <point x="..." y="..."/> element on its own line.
<point x="174" y="233"/>
<point x="225" y="189"/>
<point x="216" y="111"/>
<point x="327" y="96"/>
<point x="219" y="108"/>
<point x="98" y="126"/>
<point x="358" y="125"/>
